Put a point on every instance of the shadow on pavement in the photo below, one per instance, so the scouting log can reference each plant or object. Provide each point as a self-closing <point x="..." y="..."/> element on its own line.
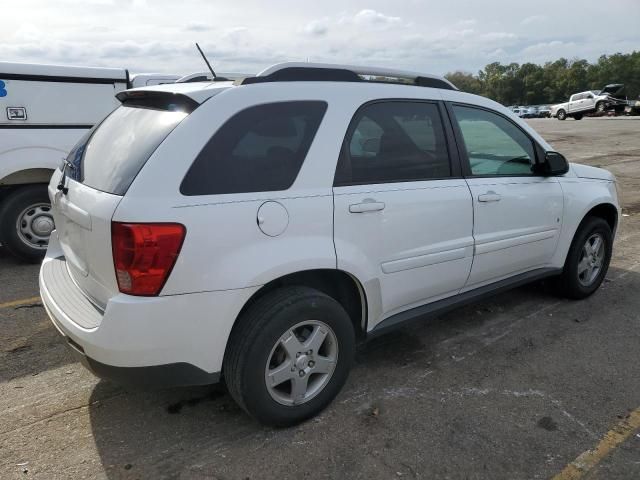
<point x="183" y="431"/>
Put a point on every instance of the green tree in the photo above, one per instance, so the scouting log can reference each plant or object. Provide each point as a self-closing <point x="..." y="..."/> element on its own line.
<point x="553" y="82"/>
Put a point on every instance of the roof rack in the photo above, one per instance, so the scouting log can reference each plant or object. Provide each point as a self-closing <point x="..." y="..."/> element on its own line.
<point x="326" y="72"/>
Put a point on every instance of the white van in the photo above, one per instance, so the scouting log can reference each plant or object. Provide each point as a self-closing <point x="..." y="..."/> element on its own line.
<point x="44" y="111"/>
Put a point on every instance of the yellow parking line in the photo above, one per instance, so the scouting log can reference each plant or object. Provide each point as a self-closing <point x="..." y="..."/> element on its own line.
<point x="589" y="459"/>
<point x="17" y="303"/>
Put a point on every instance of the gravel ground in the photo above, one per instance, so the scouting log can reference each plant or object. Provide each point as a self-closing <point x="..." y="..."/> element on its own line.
<point x="516" y="387"/>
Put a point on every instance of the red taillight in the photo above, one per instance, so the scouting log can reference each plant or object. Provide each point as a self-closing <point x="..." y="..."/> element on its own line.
<point x="144" y="254"/>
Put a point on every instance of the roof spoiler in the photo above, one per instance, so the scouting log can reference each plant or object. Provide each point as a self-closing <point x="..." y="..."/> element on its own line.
<point x="158" y="100"/>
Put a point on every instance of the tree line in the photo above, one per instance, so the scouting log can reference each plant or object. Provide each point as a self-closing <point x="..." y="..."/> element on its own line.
<point x="553" y="82"/>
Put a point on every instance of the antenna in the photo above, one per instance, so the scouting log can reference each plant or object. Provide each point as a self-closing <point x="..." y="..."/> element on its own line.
<point x="206" y="61"/>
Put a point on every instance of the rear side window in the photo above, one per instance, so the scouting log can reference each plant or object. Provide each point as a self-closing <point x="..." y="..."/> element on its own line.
<point x="112" y="155"/>
<point x="260" y="149"/>
<point x="394" y="141"/>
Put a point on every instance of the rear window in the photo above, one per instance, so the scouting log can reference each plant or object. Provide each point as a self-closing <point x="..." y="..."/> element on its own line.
<point x="110" y="157"/>
<point x="260" y="149"/>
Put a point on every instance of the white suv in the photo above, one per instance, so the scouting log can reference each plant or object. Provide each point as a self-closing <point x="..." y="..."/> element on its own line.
<point x="254" y="230"/>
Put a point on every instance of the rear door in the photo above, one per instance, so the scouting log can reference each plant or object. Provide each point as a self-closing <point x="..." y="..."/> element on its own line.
<point x="517" y="214"/>
<point x="575" y="103"/>
<point x="403" y="215"/>
<point x="97" y="174"/>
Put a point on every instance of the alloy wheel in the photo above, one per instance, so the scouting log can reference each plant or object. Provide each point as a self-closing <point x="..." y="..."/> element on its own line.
<point x="591" y="259"/>
<point x="301" y="363"/>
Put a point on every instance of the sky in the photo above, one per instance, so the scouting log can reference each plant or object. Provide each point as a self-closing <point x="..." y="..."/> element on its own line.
<point x="249" y="35"/>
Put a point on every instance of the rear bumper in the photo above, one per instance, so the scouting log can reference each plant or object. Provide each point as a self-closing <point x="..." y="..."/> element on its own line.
<point x="142" y="341"/>
<point x="156" y="376"/>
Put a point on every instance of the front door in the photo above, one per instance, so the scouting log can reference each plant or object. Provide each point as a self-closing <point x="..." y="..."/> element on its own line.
<point x="589" y="102"/>
<point x="517" y="214"/>
<point x="402" y="223"/>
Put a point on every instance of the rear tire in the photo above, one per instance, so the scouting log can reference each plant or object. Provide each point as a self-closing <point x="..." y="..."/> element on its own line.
<point x="562" y="115"/>
<point x="585" y="266"/>
<point x="578" y="116"/>
<point x="274" y="339"/>
<point x="26" y="222"/>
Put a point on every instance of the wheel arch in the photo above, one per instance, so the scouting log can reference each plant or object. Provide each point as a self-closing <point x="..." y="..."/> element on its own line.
<point x="27" y="176"/>
<point x="343" y="287"/>
<point x="607" y="211"/>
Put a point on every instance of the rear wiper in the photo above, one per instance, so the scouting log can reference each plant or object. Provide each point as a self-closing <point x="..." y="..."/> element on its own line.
<point x="63" y="178"/>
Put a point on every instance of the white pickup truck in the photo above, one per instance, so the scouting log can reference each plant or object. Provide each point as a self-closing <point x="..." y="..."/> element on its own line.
<point x="610" y="96"/>
<point x="44" y="111"/>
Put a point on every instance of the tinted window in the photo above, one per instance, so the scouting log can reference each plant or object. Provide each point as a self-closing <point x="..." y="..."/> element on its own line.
<point x="260" y="149"/>
<point x="394" y="142"/>
<point x="120" y="146"/>
<point x="494" y="145"/>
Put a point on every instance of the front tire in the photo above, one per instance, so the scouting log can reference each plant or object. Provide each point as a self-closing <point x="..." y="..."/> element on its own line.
<point x="26" y="222"/>
<point x="289" y="355"/>
<point x="562" y="115"/>
<point x="588" y="259"/>
<point x="578" y="116"/>
<point x="600" y="107"/>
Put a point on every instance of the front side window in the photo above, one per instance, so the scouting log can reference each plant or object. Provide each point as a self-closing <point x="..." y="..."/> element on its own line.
<point x="494" y="145"/>
<point x="260" y="149"/>
<point x="395" y="141"/>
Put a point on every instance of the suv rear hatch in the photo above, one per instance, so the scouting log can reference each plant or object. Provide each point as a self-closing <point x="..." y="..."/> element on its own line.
<point x="87" y="189"/>
<point x="615" y="90"/>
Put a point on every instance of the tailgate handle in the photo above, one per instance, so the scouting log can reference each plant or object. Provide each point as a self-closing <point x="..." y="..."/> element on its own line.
<point x="490" y="196"/>
<point x="367" y="205"/>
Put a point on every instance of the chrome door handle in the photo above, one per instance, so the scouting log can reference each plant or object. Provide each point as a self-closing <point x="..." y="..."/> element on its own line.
<point x="490" y="196"/>
<point x="367" y="205"/>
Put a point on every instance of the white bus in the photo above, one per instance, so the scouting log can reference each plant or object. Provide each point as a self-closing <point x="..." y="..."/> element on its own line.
<point x="44" y="111"/>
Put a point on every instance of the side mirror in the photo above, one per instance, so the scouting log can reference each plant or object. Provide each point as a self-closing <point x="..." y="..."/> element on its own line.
<point x="554" y="164"/>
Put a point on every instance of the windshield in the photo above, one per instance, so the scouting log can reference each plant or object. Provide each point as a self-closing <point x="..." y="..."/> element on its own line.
<point x="111" y="155"/>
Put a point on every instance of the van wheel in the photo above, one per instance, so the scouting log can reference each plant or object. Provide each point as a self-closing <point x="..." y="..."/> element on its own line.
<point x="600" y="107"/>
<point x="588" y="259"/>
<point x="26" y="222"/>
<point x="578" y="116"/>
<point x="289" y="355"/>
<point x="562" y="115"/>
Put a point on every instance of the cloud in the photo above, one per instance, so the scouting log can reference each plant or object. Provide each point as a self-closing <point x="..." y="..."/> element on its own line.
<point x="546" y="46"/>
<point x="371" y="17"/>
<point x="247" y="36"/>
<point x="197" y="27"/>
<point x="497" y="53"/>
<point x="469" y="22"/>
<point x="317" y="27"/>
<point x="499" y="36"/>
<point x="533" y="19"/>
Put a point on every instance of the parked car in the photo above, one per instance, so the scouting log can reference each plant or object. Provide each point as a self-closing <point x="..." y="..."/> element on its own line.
<point x="591" y="101"/>
<point x="529" y="112"/>
<point x="544" y="111"/>
<point x="518" y="111"/>
<point x="48" y="109"/>
<point x="233" y="230"/>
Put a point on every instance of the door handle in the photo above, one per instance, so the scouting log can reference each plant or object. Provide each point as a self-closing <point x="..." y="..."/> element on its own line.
<point x="490" y="196"/>
<point x="367" y="205"/>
